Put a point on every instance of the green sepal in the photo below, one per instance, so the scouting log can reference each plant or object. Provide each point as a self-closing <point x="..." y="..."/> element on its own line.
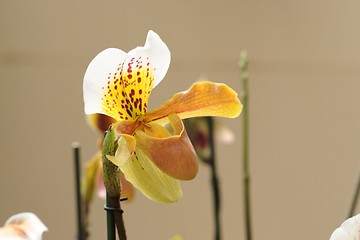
<point x="111" y="172"/>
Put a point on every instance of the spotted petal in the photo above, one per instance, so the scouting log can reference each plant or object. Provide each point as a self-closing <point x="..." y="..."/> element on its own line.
<point x="150" y="180"/>
<point x="23" y="226"/>
<point x="202" y="99"/>
<point x="118" y="84"/>
<point x="174" y="154"/>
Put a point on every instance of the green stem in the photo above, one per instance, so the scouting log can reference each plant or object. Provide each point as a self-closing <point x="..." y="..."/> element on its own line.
<point x="214" y="178"/>
<point x="246" y="168"/>
<point x="114" y="218"/>
<point x="110" y="222"/>
<point x="111" y="177"/>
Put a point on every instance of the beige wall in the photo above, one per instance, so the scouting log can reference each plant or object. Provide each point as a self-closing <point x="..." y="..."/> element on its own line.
<point x="305" y="128"/>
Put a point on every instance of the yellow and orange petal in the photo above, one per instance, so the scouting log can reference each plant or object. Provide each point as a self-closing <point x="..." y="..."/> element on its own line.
<point x="202" y="99"/>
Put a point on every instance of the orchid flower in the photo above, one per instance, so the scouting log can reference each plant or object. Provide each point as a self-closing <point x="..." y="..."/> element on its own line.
<point x="94" y="176"/>
<point x="152" y="158"/>
<point x="23" y="226"/>
<point x="349" y="230"/>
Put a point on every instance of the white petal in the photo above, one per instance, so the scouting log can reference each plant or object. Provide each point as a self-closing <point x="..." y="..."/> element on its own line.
<point x="23" y="226"/>
<point x="96" y="76"/>
<point x="157" y="52"/>
<point x="154" y="55"/>
<point x="349" y="230"/>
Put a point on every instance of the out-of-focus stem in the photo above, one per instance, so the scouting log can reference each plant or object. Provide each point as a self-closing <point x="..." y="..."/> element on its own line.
<point x="214" y="179"/>
<point x="246" y="170"/>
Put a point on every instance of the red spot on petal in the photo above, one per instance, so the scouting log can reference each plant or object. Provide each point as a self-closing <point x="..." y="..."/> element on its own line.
<point x="129" y="112"/>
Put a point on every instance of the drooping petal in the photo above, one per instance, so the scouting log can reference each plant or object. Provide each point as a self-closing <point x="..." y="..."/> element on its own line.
<point x="150" y="180"/>
<point x="349" y="230"/>
<point x="123" y="93"/>
<point x="175" y="154"/>
<point x="202" y="99"/>
<point x="23" y="226"/>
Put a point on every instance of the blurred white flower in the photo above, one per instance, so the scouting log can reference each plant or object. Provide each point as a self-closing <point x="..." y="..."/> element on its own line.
<point x="349" y="230"/>
<point x="23" y="226"/>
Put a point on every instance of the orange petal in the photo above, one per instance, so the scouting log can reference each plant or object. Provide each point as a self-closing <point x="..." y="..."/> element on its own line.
<point x="173" y="155"/>
<point x="202" y="99"/>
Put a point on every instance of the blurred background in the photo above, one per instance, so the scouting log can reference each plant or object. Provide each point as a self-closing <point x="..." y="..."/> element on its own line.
<point x="304" y="111"/>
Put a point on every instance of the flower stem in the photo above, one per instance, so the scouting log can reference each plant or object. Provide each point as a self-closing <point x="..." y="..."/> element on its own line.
<point x="110" y="222"/>
<point x="246" y="172"/>
<point x="214" y="179"/>
<point x="82" y="233"/>
<point x="354" y="200"/>
<point x="111" y="177"/>
<point x="114" y="218"/>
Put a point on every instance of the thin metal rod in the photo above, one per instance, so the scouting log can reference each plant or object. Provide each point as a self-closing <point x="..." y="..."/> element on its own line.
<point x="79" y="206"/>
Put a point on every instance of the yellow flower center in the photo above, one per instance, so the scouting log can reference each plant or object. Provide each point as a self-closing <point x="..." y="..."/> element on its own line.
<point x="127" y="91"/>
